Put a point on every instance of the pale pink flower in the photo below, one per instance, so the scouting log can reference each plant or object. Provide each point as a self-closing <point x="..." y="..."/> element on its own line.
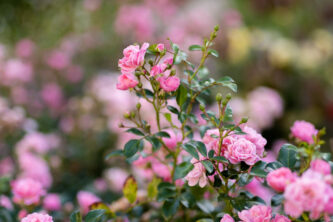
<point x="257" y="213"/>
<point x="52" y="202"/>
<point x="5" y="202"/>
<point x="211" y="139"/>
<point x="16" y="71"/>
<point x="22" y="213"/>
<point x="85" y="199"/>
<point x="92" y="5"/>
<point x="306" y="194"/>
<point x="116" y="177"/>
<point x="197" y="174"/>
<point x="173" y="140"/>
<point x="329" y="204"/>
<point x="136" y="21"/>
<point x="25" y="48"/>
<point x="227" y="218"/>
<point x="321" y="166"/>
<point x="6" y="166"/>
<point x="37" y="217"/>
<point x="169" y="84"/>
<point x="126" y="82"/>
<point x="27" y="191"/>
<point x="133" y="58"/>
<point x="161" y="170"/>
<point x="58" y="60"/>
<point x="52" y="95"/>
<point x="280" y="178"/>
<point x="256" y="188"/>
<point x="241" y="150"/>
<point x="74" y="73"/>
<point x="304" y="131"/>
<point x="280" y="218"/>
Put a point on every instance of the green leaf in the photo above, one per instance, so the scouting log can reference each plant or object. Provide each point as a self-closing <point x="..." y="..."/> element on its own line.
<point x="201" y="147"/>
<point x="181" y="95"/>
<point x="187" y="199"/>
<point x="244" y="179"/>
<point x="195" y="48"/>
<point x="258" y="169"/>
<point x="173" y="109"/>
<point x="182" y="170"/>
<point x="152" y="187"/>
<point x="277" y="200"/>
<point x="208" y="165"/>
<point x="191" y="150"/>
<point x="288" y="155"/>
<point x="213" y="53"/>
<point x="162" y="134"/>
<point x="228" y="114"/>
<point x="114" y="153"/>
<point x="211" y="154"/>
<point x="220" y="159"/>
<point x="94" y="215"/>
<point x="135" y="131"/>
<point x="5" y="215"/>
<point x="130" y="189"/>
<point x="165" y="191"/>
<point x="132" y="146"/>
<point x="168" y="117"/>
<point x="273" y="166"/>
<point x="155" y="142"/>
<point x="203" y="72"/>
<point x="180" y="57"/>
<point x="170" y="207"/>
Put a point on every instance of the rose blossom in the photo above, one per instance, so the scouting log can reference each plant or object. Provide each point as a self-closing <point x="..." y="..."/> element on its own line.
<point x="85" y="199"/>
<point x="280" y="178"/>
<point x="133" y="58"/>
<point x="227" y="218"/>
<point x="241" y="150"/>
<point x="258" y="213"/>
<point x="321" y="166"/>
<point x="27" y="191"/>
<point x="169" y="84"/>
<point x="256" y="138"/>
<point x="52" y="202"/>
<point x="305" y="194"/>
<point x="280" y="218"/>
<point x="304" y="131"/>
<point x="126" y="82"/>
<point x="173" y="140"/>
<point x="197" y="174"/>
<point x="37" y="217"/>
<point x="160" y="47"/>
<point x="158" y="69"/>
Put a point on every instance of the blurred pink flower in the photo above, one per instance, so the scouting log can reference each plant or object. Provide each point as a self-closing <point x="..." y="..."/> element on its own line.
<point x="52" y="202"/>
<point x="5" y="202"/>
<point x="321" y="166"/>
<point x="280" y="178"/>
<point x="92" y="5"/>
<point x="126" y="81"/>
<point x="227" y="218"/>
<point x="169" y="84"/>
<point x="74" y="73"/>
<point x="173" y="140"/>
<point x="116" y="178"/>
<point x="58" y="60"/>
<point x="85" y="199"/>
<point x="37" y="217"/>
<point x="258" y="213"/>
<point x="304" y="131"/>
<point x="136" y="21"/>
<point x="27" y="191"/>
<point x="280" y="218"/>
<point x="52" y="95"/>
<point x="25" y="48"/>
<point x="6" y="166"/>
<point x="16" y="71"/>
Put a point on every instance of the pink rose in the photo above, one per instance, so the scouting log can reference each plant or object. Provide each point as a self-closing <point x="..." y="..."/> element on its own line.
<point x="321" y="166"/>
<point x="280" y="218"/>
<point x="58" y="60"/>
<point x="27" y="191"/>
<point x="15" y="70"/>
<point x="158" y="69"/>
<point x="133" y="58"/>
<point x="211" y="139"/>
<point x="241" y="150"/>
<point x="303" y="131"/>
<point x="85" y="199"/>
<point x="173" y="140"/>
<point x="169" y="84"/>
<point x="5" y="202"/>
<point x="160" y="47"/>
<point x="37" y="217"/>
<point x="52" y="202"/>
<point x="197" y="174"/>
<point x="161" y="170"/>
<point x="25" y="48"/>
<point x="227" y="218"/>
<point x="256" y="138"/>
<point x="305" y="194"/>
<point x="126" y="82"/>
<point x="257" y="213"/>
<point x="280" y="178"/>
